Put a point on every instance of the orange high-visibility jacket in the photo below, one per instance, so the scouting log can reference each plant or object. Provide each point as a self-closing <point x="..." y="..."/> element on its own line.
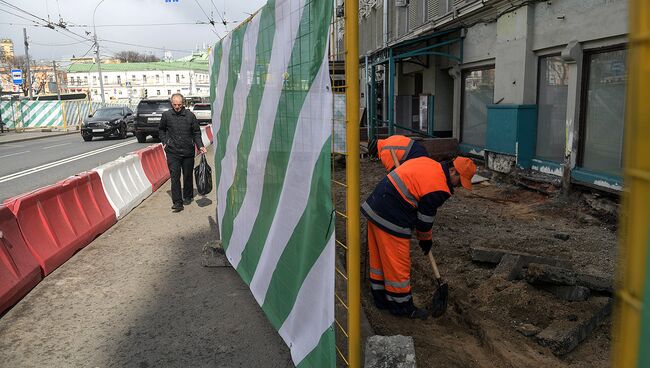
<point x="408" y="198"/>
<point x="405" y="149"/>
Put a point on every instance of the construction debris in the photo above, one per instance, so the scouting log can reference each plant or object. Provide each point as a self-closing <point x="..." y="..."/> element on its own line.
<point x="563" y="336"/>
<point x="390" y="352"/>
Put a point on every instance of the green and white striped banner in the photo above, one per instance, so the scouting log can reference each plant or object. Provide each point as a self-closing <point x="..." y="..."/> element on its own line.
<point x="31" y="114"/>
<point x="272" y="115"/>
<point x="44" y="114"/>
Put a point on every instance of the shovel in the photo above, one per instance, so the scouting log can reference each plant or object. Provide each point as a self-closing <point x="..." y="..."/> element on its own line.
<point x="441" y="295"/>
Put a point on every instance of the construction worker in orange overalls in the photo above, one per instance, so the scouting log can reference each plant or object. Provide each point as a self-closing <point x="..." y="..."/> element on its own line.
<point x="404" y="148"/>
<point x="407" y="199"/>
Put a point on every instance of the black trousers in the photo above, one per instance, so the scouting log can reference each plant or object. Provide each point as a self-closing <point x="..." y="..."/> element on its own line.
<point x="177" y="164"/>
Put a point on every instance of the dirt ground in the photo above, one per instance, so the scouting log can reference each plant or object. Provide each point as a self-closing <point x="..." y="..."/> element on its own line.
<point x="479" y="328"/>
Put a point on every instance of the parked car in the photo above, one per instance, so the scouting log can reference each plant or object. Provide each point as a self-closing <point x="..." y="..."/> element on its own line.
<point x="147" y="117"/>
<point x="203" y="113"/>
<point x="108" y="122"/>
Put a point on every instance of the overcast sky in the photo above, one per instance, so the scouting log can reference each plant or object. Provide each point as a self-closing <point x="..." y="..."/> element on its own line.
<point x="50" y="45"/>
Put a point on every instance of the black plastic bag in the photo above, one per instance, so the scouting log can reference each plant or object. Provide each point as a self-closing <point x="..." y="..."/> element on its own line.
<point x="203" y="176"/>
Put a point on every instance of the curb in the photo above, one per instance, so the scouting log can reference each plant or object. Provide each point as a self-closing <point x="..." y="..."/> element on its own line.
<point x="38" y="137"/>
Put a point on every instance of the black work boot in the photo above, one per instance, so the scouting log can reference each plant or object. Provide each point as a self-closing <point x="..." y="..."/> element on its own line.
<point x="408" y="309"/>
<point x="177" y="207"/>
<point x="379" y="298"/>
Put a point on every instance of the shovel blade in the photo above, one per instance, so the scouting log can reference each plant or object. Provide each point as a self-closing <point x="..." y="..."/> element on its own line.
<point x="440" y="299"/>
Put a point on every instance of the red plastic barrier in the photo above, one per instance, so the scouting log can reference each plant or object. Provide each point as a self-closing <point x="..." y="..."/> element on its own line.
<point x="154" y="163"/>
<point x="19" y="271"/>
<point x="208" y="131"/>
<point x="58" y="220"/>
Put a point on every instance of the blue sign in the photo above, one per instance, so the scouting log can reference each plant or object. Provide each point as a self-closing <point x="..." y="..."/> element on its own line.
<point x="17" y="76"/>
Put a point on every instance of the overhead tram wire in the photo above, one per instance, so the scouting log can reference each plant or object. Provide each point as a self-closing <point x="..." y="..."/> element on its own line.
<point x="214" y="29"/>
<point x="144" y="46"/>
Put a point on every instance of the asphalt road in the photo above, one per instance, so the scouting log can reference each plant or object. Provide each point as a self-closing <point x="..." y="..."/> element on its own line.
<point x="29" y="165"/>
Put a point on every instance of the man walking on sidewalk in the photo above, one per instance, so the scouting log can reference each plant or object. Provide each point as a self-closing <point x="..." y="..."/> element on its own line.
<point x="179" y="132"/>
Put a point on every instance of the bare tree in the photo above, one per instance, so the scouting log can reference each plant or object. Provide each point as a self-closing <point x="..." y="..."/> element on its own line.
<point x="134" y="57"/>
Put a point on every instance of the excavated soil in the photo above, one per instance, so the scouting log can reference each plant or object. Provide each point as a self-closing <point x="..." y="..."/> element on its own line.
<point x="479" y="328"/>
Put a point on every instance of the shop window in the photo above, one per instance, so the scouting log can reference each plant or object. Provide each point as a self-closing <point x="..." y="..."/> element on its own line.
<point x="478" y="92"/>
<point x="552" y="91"/>
<point x="603" y="114"/>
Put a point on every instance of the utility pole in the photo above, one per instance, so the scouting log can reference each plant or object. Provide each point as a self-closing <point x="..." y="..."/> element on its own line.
<point x="56" y="80"/>
<point x="99" y="60"/>
<point x="28" y="75"/>
<point x="99" y="68"/>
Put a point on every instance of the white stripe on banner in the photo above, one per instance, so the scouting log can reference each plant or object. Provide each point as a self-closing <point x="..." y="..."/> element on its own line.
<point x="285" y="36"/>
<point x="313" y="311"/>
<point x="306" y="149"/>
<point x="242" y="88"/>
<point x="221" y="82"/>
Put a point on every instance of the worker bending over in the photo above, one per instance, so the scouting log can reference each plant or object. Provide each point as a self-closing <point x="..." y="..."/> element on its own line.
<point x="402" y="147"/>
<point x="406" y="199"/>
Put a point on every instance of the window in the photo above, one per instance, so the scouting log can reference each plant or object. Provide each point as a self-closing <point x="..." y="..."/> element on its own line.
<point x="133" y="77"/>
<point x="85" y="80"/>
<point x="478" y="92"/>
<point x="553" y="81"/>
<point x="158" y="92"/>
<point x="603" y="114"/>
<point x="169" y="92"/>
<point x="119" y="92"/>
<point x="168" y="78"/>
<point x="157" y="79"/>
<point x="178" y="79"/>
<point x="94" y="79"/>
<point x="119" y="79"/>
<point x="144" y="78"/>
<point x="79" y="80"/>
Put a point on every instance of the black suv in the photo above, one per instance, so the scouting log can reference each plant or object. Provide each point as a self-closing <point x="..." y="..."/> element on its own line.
<point x="147" y="117"/>
<point x="108" y="122"/>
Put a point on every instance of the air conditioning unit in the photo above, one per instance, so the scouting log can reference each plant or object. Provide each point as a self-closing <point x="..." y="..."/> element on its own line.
<point x="401" y="3"/>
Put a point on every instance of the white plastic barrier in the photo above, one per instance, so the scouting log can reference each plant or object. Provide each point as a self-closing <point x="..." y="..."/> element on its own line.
<point x="125" y="183"/>
<point x="204" y="136"/>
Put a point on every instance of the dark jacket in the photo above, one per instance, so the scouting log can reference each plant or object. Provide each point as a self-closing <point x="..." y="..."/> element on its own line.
<point x="430" y="186"/>
<point x="179" y="132"/>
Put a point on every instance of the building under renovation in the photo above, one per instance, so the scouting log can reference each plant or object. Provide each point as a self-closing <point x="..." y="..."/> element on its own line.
<point x="536" y="85"/>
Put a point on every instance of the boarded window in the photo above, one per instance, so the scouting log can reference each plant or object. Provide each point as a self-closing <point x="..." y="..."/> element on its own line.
<point x="551" y="114"/>
<point x="604" y="115"/>
<point x="478" y="92"/>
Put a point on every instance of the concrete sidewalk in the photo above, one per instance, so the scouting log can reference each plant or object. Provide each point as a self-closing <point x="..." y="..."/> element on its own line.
<point x="138" y="296"/>
<point x="28" y="135"/>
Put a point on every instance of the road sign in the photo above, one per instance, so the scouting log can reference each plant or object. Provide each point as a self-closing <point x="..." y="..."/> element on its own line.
<point x="17" y="75"/>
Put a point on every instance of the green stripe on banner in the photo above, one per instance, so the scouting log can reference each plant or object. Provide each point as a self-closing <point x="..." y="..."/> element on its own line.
<point x="235" y="57"/>
<point x="237" y="190"/>
<point x="314" y="228"/>
<point x="323" y="354"/>
<point x="216" y="64"/>
<point x="303" y="67"/>
<point x="31" y="111"/>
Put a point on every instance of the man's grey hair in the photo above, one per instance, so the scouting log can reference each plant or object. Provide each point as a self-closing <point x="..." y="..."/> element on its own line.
<point x="177" y="95"/>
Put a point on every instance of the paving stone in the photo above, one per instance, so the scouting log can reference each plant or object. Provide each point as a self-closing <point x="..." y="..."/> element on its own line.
<point x="528" y="330"/>
<point x="494" y="255"/>
<point x="511" y="267"/>
<point x="546" y="274"/>
<point x="596" y="283"/>
<point x="390" y="352"/>
<point x="564" y="336"/>
<point x="572" y="293"/>
<point x="486" y="255"/>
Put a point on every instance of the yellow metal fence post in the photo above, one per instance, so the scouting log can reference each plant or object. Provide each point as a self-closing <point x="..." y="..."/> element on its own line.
<point x="632" y="315"/>
<point x="351" y="39"/>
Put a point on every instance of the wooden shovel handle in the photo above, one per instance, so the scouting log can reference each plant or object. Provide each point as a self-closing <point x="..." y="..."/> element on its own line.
<point x="434" y="266"/>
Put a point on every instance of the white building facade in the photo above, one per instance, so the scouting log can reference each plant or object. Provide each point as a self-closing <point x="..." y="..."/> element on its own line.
<point x="140" y="80"/>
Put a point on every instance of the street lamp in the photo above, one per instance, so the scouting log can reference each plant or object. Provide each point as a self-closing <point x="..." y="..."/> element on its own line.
<point x="99" y="61"/>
